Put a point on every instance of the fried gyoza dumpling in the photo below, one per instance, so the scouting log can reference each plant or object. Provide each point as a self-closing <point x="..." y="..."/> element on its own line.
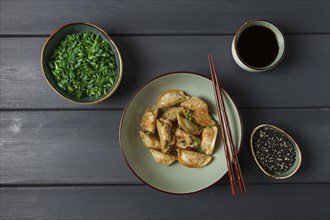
<point x="187" y="125"/>
<point x="171" y="98"/>
<point x="200" y="111"/>
<point x="202" y="120"/>
<point x="164" y="128"/>
<point x="209" y="136"/>
<point x="148" y="122"/>
<point x="185" y="140"/>
<point x="150" y="141"/>
<point x="196" y="104"/>
<point x="171" y="113"/>
<point x="162" y="158"/>
<point x="193" y="159"/>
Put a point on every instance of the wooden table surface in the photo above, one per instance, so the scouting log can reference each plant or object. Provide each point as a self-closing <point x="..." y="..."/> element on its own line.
<point x="63" y="161"/>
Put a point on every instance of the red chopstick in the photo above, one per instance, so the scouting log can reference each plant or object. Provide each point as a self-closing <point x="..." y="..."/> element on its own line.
<point x="226" y="131"/>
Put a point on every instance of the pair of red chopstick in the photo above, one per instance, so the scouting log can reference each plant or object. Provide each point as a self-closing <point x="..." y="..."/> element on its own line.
<point x="226" y="132"/>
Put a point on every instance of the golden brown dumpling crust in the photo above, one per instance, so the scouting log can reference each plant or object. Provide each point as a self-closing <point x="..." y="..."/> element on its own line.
<point x="150" y="141"/>
<point x="209" y="136"/>
<point x="171" y="113"/>
<point x="185" y="140"/>
<point x="202" y="120"/>
<point x="179" y="127"/>
<point x="164" y="128"/>
<point x="193" y="159"/>
<point x="196" y="104"/>
<point x="162" y="158"/>
<point x="148" y="121"/>
<point x="200" y="112"/>
<point x="187" y="125"/>
<point x="171" y="98"/>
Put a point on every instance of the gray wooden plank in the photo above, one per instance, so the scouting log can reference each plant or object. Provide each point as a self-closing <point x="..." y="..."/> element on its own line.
<point x="163" y="17"/>
<point x="276" y="201"/>
<point x="82" y="147"/>
<point x="62" y="147"/>
<point x="301" y="80"/>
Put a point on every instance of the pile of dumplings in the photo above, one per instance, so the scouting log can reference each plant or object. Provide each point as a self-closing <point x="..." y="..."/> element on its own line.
<point x="179" y="128"/>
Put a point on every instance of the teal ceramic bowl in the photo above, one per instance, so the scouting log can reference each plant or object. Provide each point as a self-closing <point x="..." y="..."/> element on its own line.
<point x="55" y="39"/>
<point x="175" y="179"/>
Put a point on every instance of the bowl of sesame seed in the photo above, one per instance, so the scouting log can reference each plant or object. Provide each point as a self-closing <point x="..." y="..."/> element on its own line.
<point x="275" y="152"/>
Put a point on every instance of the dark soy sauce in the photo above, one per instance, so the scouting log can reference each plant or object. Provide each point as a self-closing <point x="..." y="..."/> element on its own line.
<point x="257" y="46"/>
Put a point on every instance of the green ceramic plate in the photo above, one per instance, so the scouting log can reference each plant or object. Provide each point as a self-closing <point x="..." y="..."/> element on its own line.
<point x="175" y="178"/>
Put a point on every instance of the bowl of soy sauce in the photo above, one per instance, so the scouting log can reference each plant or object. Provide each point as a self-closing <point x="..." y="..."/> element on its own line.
<point x="258" y="45"/>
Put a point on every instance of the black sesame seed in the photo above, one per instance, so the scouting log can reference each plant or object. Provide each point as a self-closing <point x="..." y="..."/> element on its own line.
<point x="274" y="150"/>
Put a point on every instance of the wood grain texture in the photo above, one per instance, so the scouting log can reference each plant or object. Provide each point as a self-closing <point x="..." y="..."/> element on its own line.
<point x="276" y="201"/>
<point x="81" y="147"/>
<point x="301" y="80"/>
<point x="60" y="160"/>
<point x="163" y="17"/>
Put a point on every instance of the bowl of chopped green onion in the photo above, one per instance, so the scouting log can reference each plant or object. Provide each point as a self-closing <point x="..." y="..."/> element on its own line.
<point x="81" y="63"/>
